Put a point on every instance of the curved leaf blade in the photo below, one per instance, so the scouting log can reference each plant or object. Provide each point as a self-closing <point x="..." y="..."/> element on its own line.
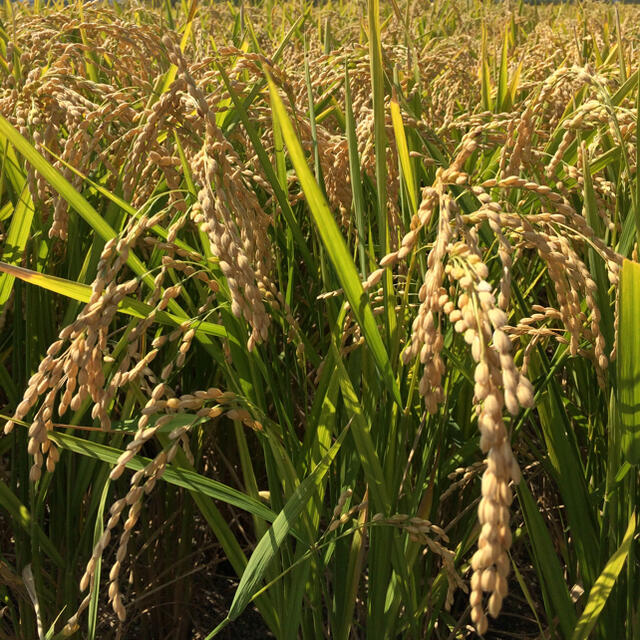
<point x="604" y="584"/>
<point x="335" y="246"/>
<point x="271" y="541"/>
<point x="629" y="360"/>
<point x="173" y="475"/>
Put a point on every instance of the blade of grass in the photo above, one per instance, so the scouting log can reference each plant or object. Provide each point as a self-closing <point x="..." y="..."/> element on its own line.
<point x="336" y="247"/>
<point x="312" y="122"/>
<point x="501" y="98"/>
<point x="621" y="62"/>
<point x="92" y="614"/>
<point x="178" y="477"/>
<point x="380" y="149"/>
<point x="568" y="472"/>
<point x="403" y="152"/>
<point x="603" y="585"/>
<point x="549" y="568"/>
<point x="354" y="172"/>
<point x="16" y="241"/>
<point x="628" y="365"/>
<point x="361" y="433"/>
<point x="269" y="544"/>
<point x="484" y="73"/>
<point x="20" y="514"/>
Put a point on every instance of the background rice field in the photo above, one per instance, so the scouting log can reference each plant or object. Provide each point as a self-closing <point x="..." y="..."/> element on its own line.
<point x="319" y="321"/>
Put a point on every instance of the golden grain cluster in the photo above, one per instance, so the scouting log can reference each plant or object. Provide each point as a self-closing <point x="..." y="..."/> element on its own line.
<point x="503" y="154"/>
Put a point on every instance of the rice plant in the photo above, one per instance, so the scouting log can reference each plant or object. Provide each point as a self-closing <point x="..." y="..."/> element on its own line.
<point x="325" y="311"/>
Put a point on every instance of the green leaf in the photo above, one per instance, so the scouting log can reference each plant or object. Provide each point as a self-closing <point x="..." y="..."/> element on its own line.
<point x="16" y="240"/>
<point x="548" y="567"/>
<point x="178" y="477"/>
<point x="169" y="11"/>
<point x="354" y="171"/>
<point x="403" y="152"/>
<point x="336" y="247"/>
<point x="20" y="514"/>
<point x="130" y="306"/>
<point x="380" y="149"/>
<point x="380" y="136"/>
<point x="568" y="471"/>
<point x="628" y="367"/>
<point x="6" y="211"/>
<point x="514" y="84"/>
<point x="69" y="288"/>
<point x="621" y="61"/>
<point x="604" y="584"/>
<point x="361" y="433"/>
<point x="92" y="621"/>
<point x="484" y="73"/>
<point x="269" y="544"/>
<point x="501" y="100"/>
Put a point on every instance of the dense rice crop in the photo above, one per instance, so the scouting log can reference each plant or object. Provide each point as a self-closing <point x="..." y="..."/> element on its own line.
<point x="308" y="295"/>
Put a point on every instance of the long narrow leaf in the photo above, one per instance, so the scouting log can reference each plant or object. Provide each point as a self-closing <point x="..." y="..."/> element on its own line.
<point x="82" y="293"/>
<point x="604" y="584"/>
<point x="549" y="568"/>
<point x="16" y="240"/>
<point x="270" y="543"/>
<point x="403" y="152"/>
<point x="336" y="247"/>
<point x="179" y="477"/>
<point x="628" y="368"/>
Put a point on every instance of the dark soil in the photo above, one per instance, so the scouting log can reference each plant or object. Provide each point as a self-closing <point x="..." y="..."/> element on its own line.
<point x="217" y="596"/>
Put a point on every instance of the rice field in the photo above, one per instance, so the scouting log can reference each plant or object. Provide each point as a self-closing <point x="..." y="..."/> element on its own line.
<point x="319" y="320"/>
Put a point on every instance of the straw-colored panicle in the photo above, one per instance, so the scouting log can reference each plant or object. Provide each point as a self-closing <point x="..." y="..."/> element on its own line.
<point x="74" y="374"/>
<point x="461" y="478"/>
<point x="499" y="388"/>
<point x="456" y="289"/>
<point x="335" y="166"/>
<point x="229" y="212"/>
<point x="78" y="366"/>
<point x="158" y="413"/>
<point x="434" y="538"/>
<point x="426" y="336"/>
<point x="74" y="120"/>
<point x="136" y="183"/>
